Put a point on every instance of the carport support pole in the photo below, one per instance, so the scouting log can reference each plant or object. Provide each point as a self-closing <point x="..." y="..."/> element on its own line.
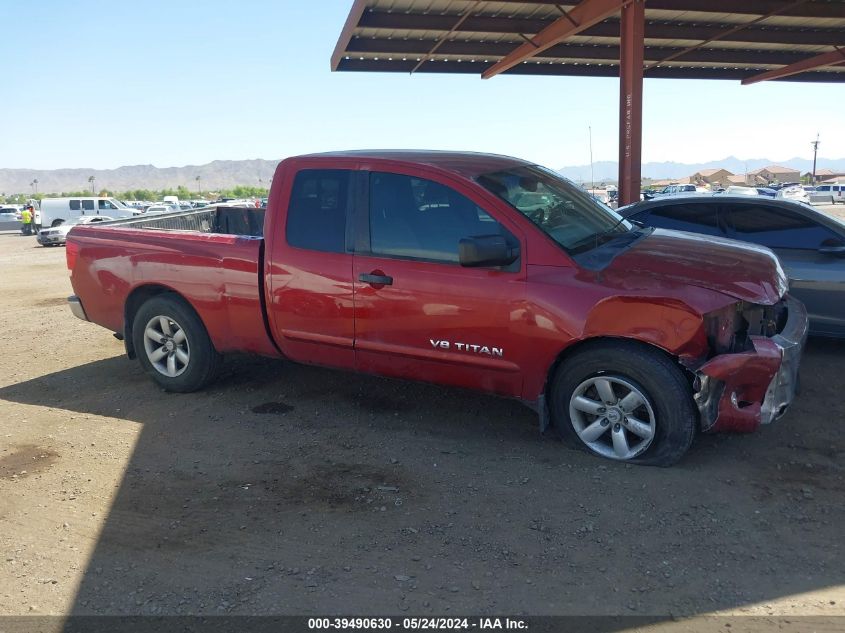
<point x="632" y="28"/>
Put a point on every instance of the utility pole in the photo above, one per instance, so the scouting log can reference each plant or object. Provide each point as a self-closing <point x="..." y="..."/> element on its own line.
<point x="815" y="145"/>
<point x="198" y="178"/>
<point x="592" y="178"/>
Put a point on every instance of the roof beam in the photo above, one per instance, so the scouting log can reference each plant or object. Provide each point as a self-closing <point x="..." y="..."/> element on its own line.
<point x="476" y="49"/>
<point x="577" y="70"/>
<point x="654" y="30"/>
<point x="443" y="38"/>
<point x="581" y="17"/>
<point x="832" y="58"/>
<point x="812" y="9"/>
<point x="349" y="27"/>
<point x="724" y="34"/>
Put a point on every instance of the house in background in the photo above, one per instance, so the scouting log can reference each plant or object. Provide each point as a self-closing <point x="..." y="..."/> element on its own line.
<point x="823" y="175"/>
<point x="736" y="180"/>
<point x="773" y="173"/>
<point x="713" y="177"/>
<point x="659" y="184"/>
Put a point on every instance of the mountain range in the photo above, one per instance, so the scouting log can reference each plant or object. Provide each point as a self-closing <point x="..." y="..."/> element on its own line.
<point x="218" y="174"/>
<point x="225" y="174"/>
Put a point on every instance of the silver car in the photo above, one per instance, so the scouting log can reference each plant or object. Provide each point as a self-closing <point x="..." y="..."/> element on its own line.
<point x="10" y="214"/>
<point x="57" y="235"/>
<point x="810" y="244"/>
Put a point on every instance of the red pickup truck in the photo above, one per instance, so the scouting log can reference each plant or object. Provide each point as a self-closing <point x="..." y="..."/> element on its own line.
<point x="476" y="270"/>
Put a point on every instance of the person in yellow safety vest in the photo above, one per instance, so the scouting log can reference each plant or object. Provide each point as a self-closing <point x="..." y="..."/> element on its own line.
<point x="26" y="219"/>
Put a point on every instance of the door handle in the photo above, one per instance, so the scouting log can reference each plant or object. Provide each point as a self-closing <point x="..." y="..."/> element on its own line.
<point x="376" y="278"/>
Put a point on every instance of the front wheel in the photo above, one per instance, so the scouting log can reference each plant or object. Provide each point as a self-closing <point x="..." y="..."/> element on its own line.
<point x="173" y="346"/>
<point x="624" y="401"/>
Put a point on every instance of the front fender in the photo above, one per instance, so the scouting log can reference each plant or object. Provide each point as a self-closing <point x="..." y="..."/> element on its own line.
<point x="669" y="324"/>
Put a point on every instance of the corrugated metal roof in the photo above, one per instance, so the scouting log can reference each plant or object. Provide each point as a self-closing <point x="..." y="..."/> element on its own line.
<point x="469" y="36"/>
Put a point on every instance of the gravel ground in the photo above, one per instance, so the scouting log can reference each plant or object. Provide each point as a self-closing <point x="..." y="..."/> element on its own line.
<point x="286" y="489"/>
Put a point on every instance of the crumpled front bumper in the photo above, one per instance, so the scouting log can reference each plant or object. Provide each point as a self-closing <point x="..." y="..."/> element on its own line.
<point x="739" y="392"/>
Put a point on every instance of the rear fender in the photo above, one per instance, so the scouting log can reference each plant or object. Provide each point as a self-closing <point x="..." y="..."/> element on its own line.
<point x="134" y="301"/>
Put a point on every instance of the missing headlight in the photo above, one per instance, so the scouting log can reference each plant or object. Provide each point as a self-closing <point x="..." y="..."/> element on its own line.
<point x="765" y="320"/>
<point x="728" y="329"/>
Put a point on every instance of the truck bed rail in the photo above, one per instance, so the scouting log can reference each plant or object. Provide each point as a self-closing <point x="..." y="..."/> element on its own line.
<point x="213" y="219"/>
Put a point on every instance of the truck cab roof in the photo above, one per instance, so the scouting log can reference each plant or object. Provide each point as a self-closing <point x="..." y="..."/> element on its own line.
<point x="469" y="164"/>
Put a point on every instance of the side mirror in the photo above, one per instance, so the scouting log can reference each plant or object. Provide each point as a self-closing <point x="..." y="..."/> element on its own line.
<point x="836" y="251"/>
<point x="486" y="250"/>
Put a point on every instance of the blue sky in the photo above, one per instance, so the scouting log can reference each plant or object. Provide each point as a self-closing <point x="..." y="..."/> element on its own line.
<point x="101" y="84"/>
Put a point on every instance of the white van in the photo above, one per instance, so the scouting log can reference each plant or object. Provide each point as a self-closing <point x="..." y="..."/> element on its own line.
<point x="837" y="191"/>
<point x="56" y="211"/>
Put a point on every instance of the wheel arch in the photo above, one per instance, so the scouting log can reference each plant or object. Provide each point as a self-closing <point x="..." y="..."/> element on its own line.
<point x="571" y="350"/>
<point x="138" y="297"/>
<point x="655" y="372"/>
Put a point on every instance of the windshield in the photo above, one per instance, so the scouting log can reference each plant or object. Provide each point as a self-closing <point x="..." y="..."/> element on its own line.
<point x="559" y="208"/>
<point x="116" y="204"/>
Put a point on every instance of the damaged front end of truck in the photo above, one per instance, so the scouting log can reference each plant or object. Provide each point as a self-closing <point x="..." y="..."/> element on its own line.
<point x="751" y="373"/>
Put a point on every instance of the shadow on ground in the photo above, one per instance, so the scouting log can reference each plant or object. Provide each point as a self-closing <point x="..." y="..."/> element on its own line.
<point x="294" y="490"/>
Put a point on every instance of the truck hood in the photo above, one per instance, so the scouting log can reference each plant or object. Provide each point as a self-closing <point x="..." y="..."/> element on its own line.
<point x="744" y="271"/>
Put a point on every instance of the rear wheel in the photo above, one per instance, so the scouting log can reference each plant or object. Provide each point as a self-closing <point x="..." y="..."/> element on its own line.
<point x="173" y="345"/>
<point x="624" y="401"/>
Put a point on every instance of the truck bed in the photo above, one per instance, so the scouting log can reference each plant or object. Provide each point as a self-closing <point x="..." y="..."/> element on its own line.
<point x="247" y="221"/>
<point x="213" y="257"/>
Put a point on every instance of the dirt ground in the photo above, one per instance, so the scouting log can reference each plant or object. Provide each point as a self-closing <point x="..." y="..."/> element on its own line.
<point x="286" y="489"/>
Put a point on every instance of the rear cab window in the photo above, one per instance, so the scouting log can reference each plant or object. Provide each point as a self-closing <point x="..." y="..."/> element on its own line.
<point x="318" y="209"/>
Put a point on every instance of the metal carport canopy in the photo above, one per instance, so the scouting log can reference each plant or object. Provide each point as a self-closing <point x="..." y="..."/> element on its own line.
<point x="741" y="40"/>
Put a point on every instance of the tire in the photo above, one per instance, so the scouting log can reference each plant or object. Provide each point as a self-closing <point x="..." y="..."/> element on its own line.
<point x="652" y="419"/>
<point x="187" y="361"/>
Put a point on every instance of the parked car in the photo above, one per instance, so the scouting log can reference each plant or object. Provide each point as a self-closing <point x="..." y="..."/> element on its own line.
<point x="426" y="266"/>
<point x="57" y="235"/>
<point x="10" y="214"/>
<point x="766" y="191"/>
<point x="810" y="244"/>
<point x="600" y="194"/>
<point x="837" y="192"/>
<point x="686" y="189"/>
<point x="795" y="193"/>
<point x="737" y="190"/>
<point x="57" y="211"/>
<point x="162" y="208"/>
